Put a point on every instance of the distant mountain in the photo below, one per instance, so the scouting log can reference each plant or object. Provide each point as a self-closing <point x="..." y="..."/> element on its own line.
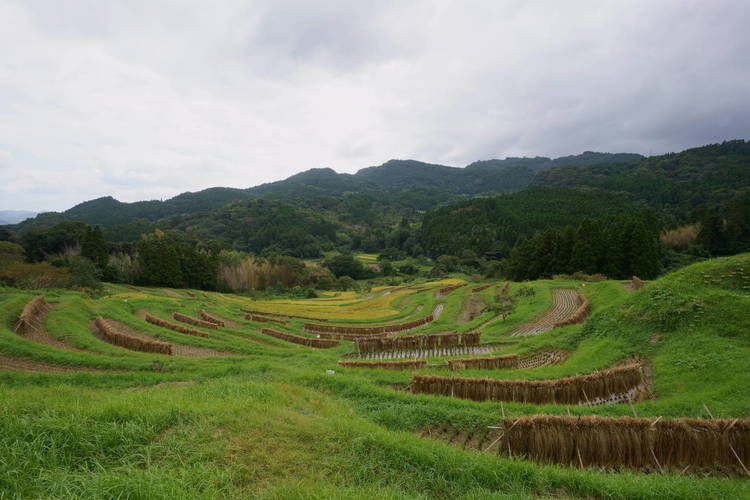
<point x="14" y="216"/>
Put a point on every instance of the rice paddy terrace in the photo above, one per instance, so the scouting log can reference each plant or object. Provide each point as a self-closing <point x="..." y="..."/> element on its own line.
<point x="585" y="390"/>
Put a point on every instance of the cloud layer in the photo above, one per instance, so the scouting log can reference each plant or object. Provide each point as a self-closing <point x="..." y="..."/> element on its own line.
<point x="146" y="99"/>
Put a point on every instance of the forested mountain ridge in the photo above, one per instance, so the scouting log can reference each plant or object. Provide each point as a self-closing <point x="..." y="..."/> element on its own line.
<point x="484" y="177"/>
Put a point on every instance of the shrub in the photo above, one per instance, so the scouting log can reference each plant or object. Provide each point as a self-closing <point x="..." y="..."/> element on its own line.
<point x="34" y="276"/>
<point x="10" y="253"/>
<point x="84" y="273"/>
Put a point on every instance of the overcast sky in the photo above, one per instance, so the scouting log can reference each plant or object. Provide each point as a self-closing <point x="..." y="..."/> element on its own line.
<point x="148" y="99"/>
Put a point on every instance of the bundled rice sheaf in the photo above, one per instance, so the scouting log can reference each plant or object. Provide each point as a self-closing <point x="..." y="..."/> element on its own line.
<point x="412" y="364"/>
<point x="487" y="363"/>
<point x="279" y="315"/>
<point x="581" y="389"/>
<point x="368" y="330"/>
<point x="32" y="316"/>
<point x="194" y="321"/>
<point x="297" y="339"/>
<point x="112" y="334"/>
<point x="349" y="336"/>
<point x="637" y="282"/>
<point x="448" y="289"/>
<point x="451" y="339"/>
<point x="638" y="443"/>
<point x="480" y="288"/>
<point x="207" y="316"/>
<point x="503" y="290"/>
<point x="579" y="315"/>
<point x="171" y="326"/>
<point x="263" y="319"/>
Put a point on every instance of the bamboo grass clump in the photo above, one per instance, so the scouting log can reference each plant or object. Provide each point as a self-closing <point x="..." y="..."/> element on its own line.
<point x="264" y="319"/>
<point x="451" y="339"/>
<point x="638" y="443"/>
<point x="194" y="321"/>
<point x="32" y="315"/>
<point x="207" y="316"/>
<point x="581" y="389"/>
<point x="171" y="326"/>
<point x="412" y="364"/>
<point x="579" y="315"/>
<point x="368" y="330"/>
<point x="115" y="336"/>
<point x="297" y="339"/>
<point x="279" y="315"/>
<point x="487" y="363"/>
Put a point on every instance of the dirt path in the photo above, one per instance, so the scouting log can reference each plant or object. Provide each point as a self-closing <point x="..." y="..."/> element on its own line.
<point x="9" y="363"/>
<point x="474" y="307"/>
<point x="564" y="303"/>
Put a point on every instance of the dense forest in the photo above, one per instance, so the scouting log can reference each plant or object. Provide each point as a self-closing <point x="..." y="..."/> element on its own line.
<point x="595" y="213"/>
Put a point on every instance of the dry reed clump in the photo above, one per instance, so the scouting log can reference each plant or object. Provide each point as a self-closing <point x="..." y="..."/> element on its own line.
<point x="579" y="315"/>
<point x="264" y="319"/>
<point x="480" y="288"/>
<point x="194" y="321"/>
<point x="368" y="330"/>
<point x="637" y="283"/>
<point x="412" y="364"/>
<point x="488" y="363"/>
<point x="450" y="339"/>
<point x="113" y="335"/>
<point x="575" y="390"/>
<point x="207" y="316"/>
<point x="279" y="315"/>
<point x="32" y="316"/>
<point x="297" y="339"/>
<point x="503" y="290"/>
<point x="680" y="238"/>
<point x="638" y="443"/>
<point x="448" y="289"/>
<point x="171" y="326"/>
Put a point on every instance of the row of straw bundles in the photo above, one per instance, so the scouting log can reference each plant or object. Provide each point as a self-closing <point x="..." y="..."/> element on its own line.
<point x="279" y="315"/>
<point x="194" y="321"/>
<point x="207" y="316"/>
<point x="503" y="290"/>
<point x="570" y="390"/>
<point x="368" y="330"/>
<point x="412" y="364"/>
<point x="489" y="363"/>
<point x="448" y="289"/>
<point x="629" y="442"/>
<point x="450" y="339"/>
<point x="480" y="288"/>
<point x="263" y="319"/>
<point x="637" y="282"/>
<point x="297" y="339"/>
<point x="171" y="326"/>
<point x="110" y="333"/>
<point x="579" y="315"/>
<point x="350" y="336"/>
<point x="32" y="314"/>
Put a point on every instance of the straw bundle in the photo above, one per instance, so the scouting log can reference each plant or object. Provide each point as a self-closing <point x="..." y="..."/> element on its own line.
<point x="629" y="442"/>
<point x="263" y="319"/>
<point x="448" y="289"/>
<point x="368" y="330"/>
<point x="110" y="333"/>
<point x="580" y="389"/>
<point x="412" y="364"/>
<point x="32" y="316"/>
<point x="489" y="363"/>
<point x="480" y="288"/>
<point x="171" y="326"/>
<point x="279" y="315"/>
<point x="450" y="339"/>
<point x="348" y="336"/>
<point x="297" y="339"/>
<point x="207" y="316"/>
<point x="579" y="315"/>
<point x="194" y="321"/>
<point x="637" y="282"/>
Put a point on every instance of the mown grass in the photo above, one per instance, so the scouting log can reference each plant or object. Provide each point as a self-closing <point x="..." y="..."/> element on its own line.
<point x="271" y="422"/>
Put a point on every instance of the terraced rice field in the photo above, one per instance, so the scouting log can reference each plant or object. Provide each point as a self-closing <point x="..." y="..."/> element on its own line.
<point x="239" y="412"/>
